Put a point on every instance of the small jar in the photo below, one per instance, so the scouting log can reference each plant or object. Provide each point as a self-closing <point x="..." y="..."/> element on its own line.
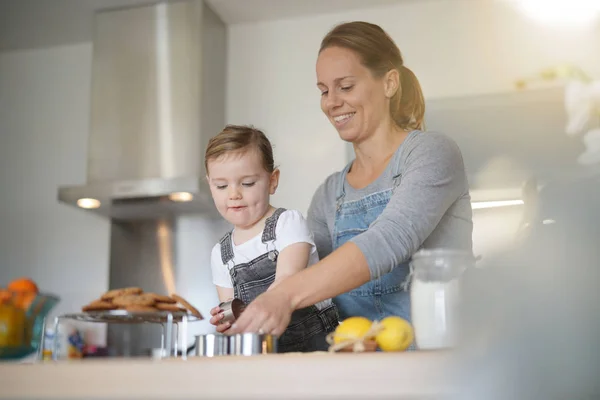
<point x="435" y="296"/>
<point x="49" y="338"/>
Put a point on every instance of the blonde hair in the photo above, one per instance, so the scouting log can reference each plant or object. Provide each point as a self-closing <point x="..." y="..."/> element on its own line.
<point x="240" y="138"/>
<point x="379" y="54"/>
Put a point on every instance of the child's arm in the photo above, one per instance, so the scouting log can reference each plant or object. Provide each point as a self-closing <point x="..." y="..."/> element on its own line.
<point x="292" y="259"/>
<point x="220" y="275"/>
<point x="222" y="281"/>
<point x="224" y="293"/>
<point x="295" y="244"/>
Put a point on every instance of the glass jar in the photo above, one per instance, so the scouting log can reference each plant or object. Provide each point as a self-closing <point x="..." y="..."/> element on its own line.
<point x="435" y="296"/>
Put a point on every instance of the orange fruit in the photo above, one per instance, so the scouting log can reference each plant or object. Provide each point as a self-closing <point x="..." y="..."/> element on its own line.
<point x="23" y="285"/>
<point x="24" y="299"/>
<point x="5" y="296"/>
<point x="24" y="291"/>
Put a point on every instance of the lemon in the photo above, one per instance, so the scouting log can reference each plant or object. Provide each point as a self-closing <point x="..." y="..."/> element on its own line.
<point x="397" y="334"/>
<point x="351" y="328"/>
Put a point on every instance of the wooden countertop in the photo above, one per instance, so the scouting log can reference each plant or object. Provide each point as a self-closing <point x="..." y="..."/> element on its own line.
<point x="412" y="375"/>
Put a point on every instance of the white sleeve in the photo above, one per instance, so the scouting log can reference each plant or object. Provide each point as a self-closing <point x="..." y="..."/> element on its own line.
<point x="220" y="272"/>
<point x="292" y="228"/>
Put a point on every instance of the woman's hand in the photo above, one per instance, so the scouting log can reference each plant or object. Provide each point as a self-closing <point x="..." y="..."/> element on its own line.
<point x="217" y="316"/>
<point x="343" y="270"/>
<point x="268" y="313"/>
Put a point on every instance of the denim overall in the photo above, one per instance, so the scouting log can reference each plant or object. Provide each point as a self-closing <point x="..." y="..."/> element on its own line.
<point x="388" y="294"/>
<point x="309" y="326"/>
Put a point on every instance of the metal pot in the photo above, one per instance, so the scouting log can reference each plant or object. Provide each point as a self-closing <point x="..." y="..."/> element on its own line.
<point x="244" y="344"/>
<point x="248" y="344"/>
<point x="212" y="344"/>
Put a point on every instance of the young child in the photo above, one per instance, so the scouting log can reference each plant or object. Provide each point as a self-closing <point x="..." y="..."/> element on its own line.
<point x="266" y="244"/>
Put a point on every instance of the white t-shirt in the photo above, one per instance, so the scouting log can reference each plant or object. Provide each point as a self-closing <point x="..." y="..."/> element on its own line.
<point x="291" y="228"/>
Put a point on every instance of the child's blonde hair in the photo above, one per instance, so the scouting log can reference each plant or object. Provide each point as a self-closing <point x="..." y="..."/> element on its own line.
<point x="240" y="138"/>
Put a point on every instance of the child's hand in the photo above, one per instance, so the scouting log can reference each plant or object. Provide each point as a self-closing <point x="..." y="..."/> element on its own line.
<point x="217" y="316"/>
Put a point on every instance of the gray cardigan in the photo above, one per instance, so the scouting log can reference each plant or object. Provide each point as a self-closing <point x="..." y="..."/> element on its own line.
<point x="430" y="208"/>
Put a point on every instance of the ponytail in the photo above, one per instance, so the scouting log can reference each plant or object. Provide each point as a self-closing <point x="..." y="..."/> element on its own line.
<point x="408" y="104"/>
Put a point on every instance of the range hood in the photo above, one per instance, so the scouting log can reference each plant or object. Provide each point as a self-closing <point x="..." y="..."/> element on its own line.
<point x="157" y="96"/>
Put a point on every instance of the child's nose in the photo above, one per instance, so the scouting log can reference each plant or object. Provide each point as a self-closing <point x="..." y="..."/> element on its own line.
<point x="234" y="192"/>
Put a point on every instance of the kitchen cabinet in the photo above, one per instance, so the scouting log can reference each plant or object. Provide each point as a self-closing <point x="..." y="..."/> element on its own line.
<point x="507" y="138"/>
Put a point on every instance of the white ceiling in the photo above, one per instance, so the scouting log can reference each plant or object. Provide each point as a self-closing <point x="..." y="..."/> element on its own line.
<point x="44" y="23"/>
<point x="239" y="11"/>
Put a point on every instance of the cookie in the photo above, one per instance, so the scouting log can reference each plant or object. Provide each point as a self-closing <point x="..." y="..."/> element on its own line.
<point x="134" y="300"/>
<point x="187" y="305"/>
<point x="169" y="307"/>
<point x="111" y="294"/>
<point x="159" y="298"/>
<point x="99" y="305"/>
<point x="139" y="308"/>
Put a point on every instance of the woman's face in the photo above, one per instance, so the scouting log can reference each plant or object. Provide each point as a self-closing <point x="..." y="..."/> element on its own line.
<point x="353" y="100"/>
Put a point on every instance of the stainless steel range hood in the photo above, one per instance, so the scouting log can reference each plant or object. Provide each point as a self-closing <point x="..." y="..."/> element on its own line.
<point x="157" y="96"/>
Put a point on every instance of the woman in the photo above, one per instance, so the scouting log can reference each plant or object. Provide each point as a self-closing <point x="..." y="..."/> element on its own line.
<point x="406" y="189"/>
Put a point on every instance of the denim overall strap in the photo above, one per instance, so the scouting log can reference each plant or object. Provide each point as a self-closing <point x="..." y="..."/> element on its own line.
<point x="341" y="192"/>
<point x="396" y="166"/>
<point x="226" y="248"/>
<point x="270" y="226"/>
<point x="396" y="171"/>
<point x="268" y="236"/>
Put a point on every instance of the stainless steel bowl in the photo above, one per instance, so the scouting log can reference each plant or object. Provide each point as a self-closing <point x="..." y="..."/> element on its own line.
<point x="249" y="344"/>
<point x="211" y="344"/>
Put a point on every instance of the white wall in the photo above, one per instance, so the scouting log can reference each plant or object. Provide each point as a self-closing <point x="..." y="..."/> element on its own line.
<point x="44" y="97"/>
<point x="44" y="116"/>
<point x="458" y="47"/>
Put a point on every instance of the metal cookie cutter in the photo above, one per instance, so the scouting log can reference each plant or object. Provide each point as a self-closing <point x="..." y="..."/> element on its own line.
<point x="231" y="310"/>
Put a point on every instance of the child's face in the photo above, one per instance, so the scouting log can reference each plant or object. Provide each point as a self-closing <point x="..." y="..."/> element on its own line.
<point x="241" y="187"/>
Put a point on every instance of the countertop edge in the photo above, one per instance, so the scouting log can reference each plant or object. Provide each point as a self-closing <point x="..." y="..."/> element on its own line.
<point x="411" y="375"/>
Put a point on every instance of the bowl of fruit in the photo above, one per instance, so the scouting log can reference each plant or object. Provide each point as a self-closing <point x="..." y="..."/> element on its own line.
<point x="23" y="310"/>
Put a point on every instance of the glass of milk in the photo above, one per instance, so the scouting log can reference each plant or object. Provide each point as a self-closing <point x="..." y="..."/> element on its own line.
<point x="435" y="296"/>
